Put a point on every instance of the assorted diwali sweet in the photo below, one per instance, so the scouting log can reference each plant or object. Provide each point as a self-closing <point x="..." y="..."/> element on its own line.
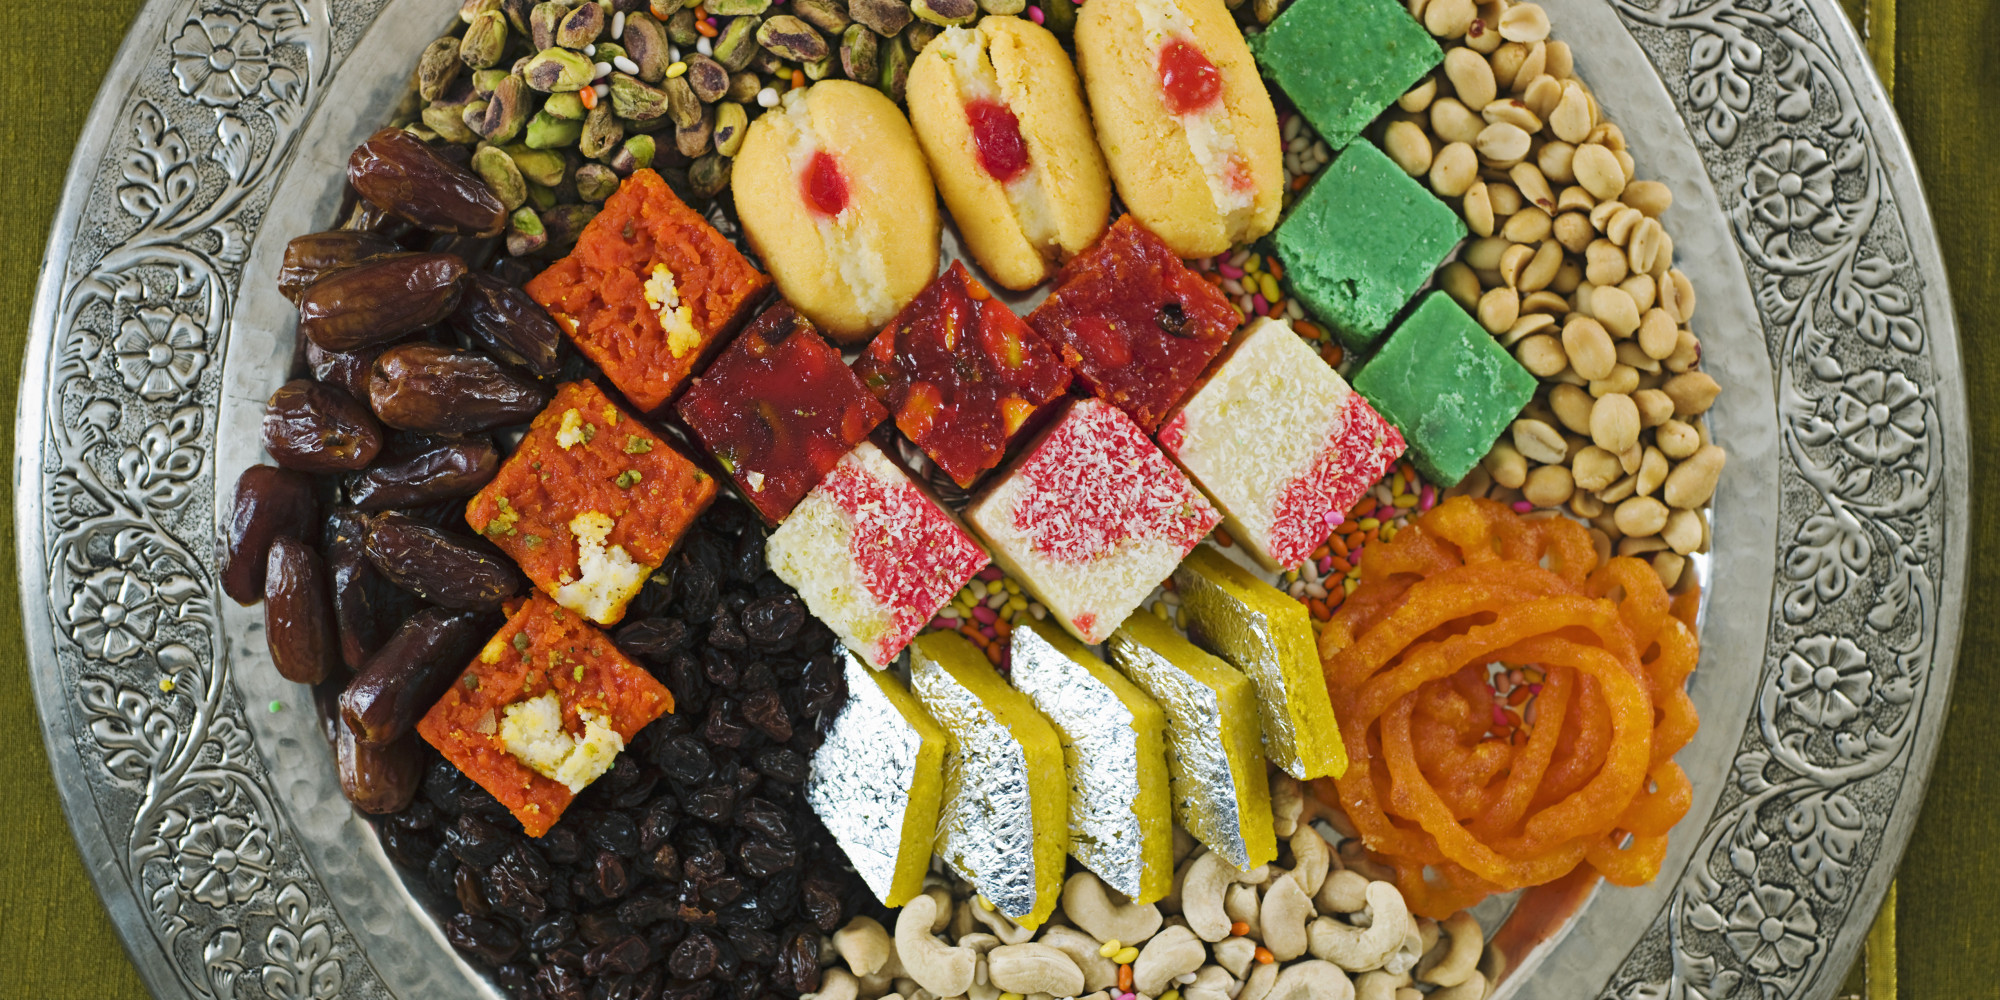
<point x="650" y="291"/>
<point x="1108" y="584"/>
<point x="873" y="554"/>
<point x="777" y="409"/>
<point x="1091" y="518"/>
<point x="964" y="376"/>
<point x="590" y="503"/>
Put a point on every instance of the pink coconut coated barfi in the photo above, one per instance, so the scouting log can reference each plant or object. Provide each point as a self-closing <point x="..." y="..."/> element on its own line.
<point x="873" y="555"/>
<point x="1280" y="442"/>
<point x="1091" y="518"/>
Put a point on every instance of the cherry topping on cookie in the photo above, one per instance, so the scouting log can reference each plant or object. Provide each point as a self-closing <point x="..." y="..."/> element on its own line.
<point x="823" y="185"/>
<point x="996" y="136"/>
<point x="1187" y="78"/>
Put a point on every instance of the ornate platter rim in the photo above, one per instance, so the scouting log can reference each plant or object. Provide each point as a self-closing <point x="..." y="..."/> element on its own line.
<point x="167" y="776"/>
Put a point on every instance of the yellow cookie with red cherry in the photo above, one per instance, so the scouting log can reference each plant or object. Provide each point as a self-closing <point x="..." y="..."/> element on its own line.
<point x="834" y="196"/>
<point x="1184" y="120"/>
<point x="1000" y="115"/>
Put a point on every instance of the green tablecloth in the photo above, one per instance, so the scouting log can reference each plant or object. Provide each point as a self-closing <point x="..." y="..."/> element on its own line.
<point x="56" y="943"/>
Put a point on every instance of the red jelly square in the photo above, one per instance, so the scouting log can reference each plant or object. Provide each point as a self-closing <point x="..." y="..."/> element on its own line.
<point x="778" y="409"/>
<point x="650" y="290"/>
<point x="962" y="374"/>
<point x="1136" y="325"/>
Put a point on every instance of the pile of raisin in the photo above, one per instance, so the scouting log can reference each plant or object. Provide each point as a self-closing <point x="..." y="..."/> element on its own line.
<point x="693" y="869"/>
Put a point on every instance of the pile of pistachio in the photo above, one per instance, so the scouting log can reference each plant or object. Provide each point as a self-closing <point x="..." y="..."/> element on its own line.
<point x="562" y="99"/>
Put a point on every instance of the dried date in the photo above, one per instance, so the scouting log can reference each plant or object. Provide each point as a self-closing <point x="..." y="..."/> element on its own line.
<point x="409" y="672"/>
<point x="314" y="256"/>
<point x="298" y="614"/>
<point x="345" y="370"/>
<point x="378" y="777"/>
<point x="407" y="178"/>
<point x="442" y="568"/>
<point x="313" y="427"/>
<point x="509" y="324"/>
<point x="425" y="387"/>
<point x="270" y="503"/>
<point x="382" y="300"/>
<point x="454" y="470"/>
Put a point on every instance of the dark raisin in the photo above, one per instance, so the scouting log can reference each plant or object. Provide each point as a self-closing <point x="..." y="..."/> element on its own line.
<point x="442" y="874"/>
<point x="647" y="907"/>
<point x="760" y="857"/>
<point x="508" y="891"/>
<point x="601" y="927"/>
<point x="825" y="686"/>
<point x="406" y="847"/>
<point x="551" y="933"/>
<point x="624" y="956"/>
<point x="489" y="941"/>
<point x="722" y="891"/>
<point x="638" y="793"/>
<point x="470" y="895"/>
<point x="655" y="639"/>
<point x="726" y="961"/>
<point x="723" y="727"/>
<point x="562" y="845"/>
<point x="1173" y="318"/>
<point x="751" y="982"/>
<point x="728" y="517"/>
<point x="725" y="633"/>
<point x="704" y="990"/>
<point x="783" y="764"/>
<point x="476" y="841"/>
<point x="687" y="681"/>
<point x="763" y="817"/>
<point x="755" y="946"/>
<point x="517" y="981"/>
<point x="714" y="804"/>
<point x="750" y="911"/>
<point x="766" y="710"/>
<point x="614" y="832"/>
<point x="636" y="986"/>
<point x="685" y="760"/>
<point x="658" y="823"/>
<point x="719" y="667"/>
<point x="694" y="957"/>
<point x="611" y="879"/>
<point x="773" y="621"/>
<point x="663" y="863"/>
<point x="562" y="982"/>
<point x="798" y="961"/>
<point x="758" y="677"/>
<point x="418" y="816"/>
<point x="747" y="562"/>
<point x="819" y="902"/>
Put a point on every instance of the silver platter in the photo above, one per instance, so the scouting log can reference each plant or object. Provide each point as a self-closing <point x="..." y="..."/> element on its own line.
<point x="209" y="814"/>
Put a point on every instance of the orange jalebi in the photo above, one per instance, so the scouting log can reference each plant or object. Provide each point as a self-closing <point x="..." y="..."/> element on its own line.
<point x="1456" y="810"/>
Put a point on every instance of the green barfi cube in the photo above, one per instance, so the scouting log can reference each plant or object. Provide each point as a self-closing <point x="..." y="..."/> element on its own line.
<point x="1343" y="61"/>
<point x="1361" y="242"/>
<point x="1444" y="382"/>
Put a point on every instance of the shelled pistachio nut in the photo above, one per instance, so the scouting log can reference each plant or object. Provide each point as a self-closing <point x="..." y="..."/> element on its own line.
<point x="661" y="9"/>
<point x="697" y="138"/>
<point x="485" y="40"/>
<point x="646" y="44"/>
<point x="540" y="198"/>
<point x="554" y="70"/>
<point x="738" y="8"/>
<point x="821" y="68"/>
<point x="546" y="131"/>
<point x="502" y="177"/>
<point x="707" y="77"/>
<point x="635" y="154"/>
<point x="738" y="43"/>
<point x="731" y="119"/>
<point x="517" y="12"/>
<point x="485" y="81"/>
<point x="767" y="63"/>
<point x="565" y="223"/>
<point x="791" y="39"/>
<point x="580" y="26"/>
<point x="1003" y="7"/>
<point x="884" y="17"/>
<point x="895" y="77"/>
<point x="525" y="232"/>
<point x="682" y="106"/>
<point x="601" y="132"/>
<point x="945" y="13"/>
<point x="610" y="52"/>
<point x="596" y="182"/>
<point x="708" y="176"/>
<point x="567" y="104"/>
<point x="1059" y="18"/>
<point x="468" y="10"/>
<point x="539" y="166"/>
<point x="505" y="114"/>
<point x="829" y="16"/>
<point x="438" y="67"/>
<point x="920" y="35"/>
<point x="634" y="100"/>
<point x="680" y="28"/>
<point x="543" y="22"/>
<point x="859" y="52"/>
<point x="448" y="121"/>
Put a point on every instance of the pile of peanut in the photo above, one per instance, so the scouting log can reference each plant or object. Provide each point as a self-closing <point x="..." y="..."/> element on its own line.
<point x="1570" y="269"/>
<point x="1307" y="927"/>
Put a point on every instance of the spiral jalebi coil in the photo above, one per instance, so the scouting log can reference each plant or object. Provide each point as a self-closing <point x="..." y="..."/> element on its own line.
<point x="1456" y="811"/>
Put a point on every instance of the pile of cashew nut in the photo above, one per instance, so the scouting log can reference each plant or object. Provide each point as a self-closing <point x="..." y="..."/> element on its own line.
<point x="1307" y="927"/>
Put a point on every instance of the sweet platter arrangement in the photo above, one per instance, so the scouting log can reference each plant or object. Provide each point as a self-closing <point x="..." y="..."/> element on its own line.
<point x="1129" y="500"/>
